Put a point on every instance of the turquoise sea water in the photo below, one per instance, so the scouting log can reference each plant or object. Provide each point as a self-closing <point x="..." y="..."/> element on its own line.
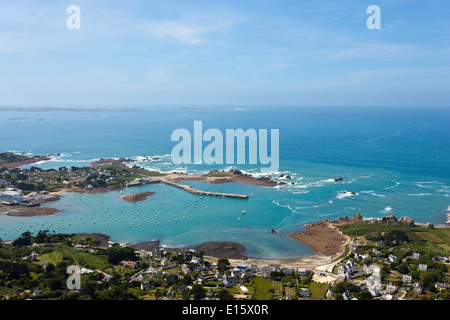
<point x="396" y="160"/>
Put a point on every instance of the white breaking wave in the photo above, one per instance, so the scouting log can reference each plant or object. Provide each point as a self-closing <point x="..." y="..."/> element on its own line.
<point x="388" y="209"/>
<point x="419" y="194"/>
<point x="372" y="192"/>
<point x="300" y="192"/>
<point x="448" y="214"/>
<point x="392" y="187"/>
<point x="345" y="194"/>
<point x="66" y="160"/>
<point x="284" y="206"/>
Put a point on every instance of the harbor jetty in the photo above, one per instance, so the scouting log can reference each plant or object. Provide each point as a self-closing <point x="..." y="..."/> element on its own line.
<point x="142" y="181"/>
<point x="204" y="193"/>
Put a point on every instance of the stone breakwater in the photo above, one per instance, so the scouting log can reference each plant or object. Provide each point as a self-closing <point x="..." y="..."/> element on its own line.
<point x="204" y="193"/>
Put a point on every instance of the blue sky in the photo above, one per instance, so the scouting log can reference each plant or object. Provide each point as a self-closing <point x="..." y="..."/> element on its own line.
<point x="217" y="52"/>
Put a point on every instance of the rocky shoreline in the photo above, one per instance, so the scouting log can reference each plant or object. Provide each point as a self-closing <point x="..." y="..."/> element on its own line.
<point x="29" y="160"/>
<point x="102" y="162"/>
<point x="217" y="249"/>
<point x="219" y="177"/>
<point x="28" y="211"/>
<point x="323" y="237"/>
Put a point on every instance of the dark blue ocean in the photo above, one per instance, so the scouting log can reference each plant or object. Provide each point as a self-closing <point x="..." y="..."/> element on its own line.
<point x="394" y="160"/>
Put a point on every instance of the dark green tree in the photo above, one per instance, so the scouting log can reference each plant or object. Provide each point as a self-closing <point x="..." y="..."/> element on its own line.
<point x="198" y="292"/>
<point x="116" y="254"/>
<point x="225" y="295"/>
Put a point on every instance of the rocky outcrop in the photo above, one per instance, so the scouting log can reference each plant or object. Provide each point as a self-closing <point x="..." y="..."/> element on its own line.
<point x="357" y="217"/>
<point x="345" y="219"/>
<point x="234" y="175"/>
<point x="389" y="218"/>
<point x="429" y="225"/>
<point x="138" y="196"/>
<point x="406" y="220"/>
<point x="102" y="162"/>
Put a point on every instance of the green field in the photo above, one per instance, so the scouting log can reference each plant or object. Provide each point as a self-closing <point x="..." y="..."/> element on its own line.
<point x="263" y="288"/>
<point x="318" y="290"/>
<point x="8" y="157"/>
<point x="53" y="257"/>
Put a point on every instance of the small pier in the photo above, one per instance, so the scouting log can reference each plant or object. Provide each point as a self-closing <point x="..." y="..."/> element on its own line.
<point x="204" y="193"/>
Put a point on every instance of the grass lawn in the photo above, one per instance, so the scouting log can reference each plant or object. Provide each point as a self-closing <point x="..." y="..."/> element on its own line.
<point x="262" y="287"/>
<point x="91" y="261"/>
<point x="289" y="290"/>
<point x="277" y="287"/>
<point x="429" y="236"/>
<point x="148" y="297"/>
<point x="53" y="257"/>
<point x="318" y="290"/>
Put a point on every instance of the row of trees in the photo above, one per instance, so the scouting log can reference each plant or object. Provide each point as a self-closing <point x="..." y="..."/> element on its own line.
<point x="43" y="236"/>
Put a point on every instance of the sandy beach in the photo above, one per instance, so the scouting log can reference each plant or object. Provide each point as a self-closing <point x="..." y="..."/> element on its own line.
<point x="323" y="237"/>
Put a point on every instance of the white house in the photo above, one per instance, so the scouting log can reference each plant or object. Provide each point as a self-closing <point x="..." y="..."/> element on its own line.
<point x="373" y="285"/>
<point x="243" y="267"/>
<point x="407" y="279"/>
<point x="391" y="288"/>
<point x="301" y="271"/>
<point x="392" y="258"/>
<point x="347" y="269"/>
<point x="236" y="273"/>
<point x="376" y="272"/>
<point x="343" y="272"/>
<point x="347" y="295"/>
<point x="423" y="267"/>
<point x="144" y="254"/>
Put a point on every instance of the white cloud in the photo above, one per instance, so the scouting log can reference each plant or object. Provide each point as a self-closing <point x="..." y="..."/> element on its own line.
<point x="193" y="30"/>
<point x="180" y="31"/>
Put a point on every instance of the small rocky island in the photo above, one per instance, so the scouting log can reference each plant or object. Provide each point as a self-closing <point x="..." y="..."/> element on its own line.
<point x="138" y="196"/>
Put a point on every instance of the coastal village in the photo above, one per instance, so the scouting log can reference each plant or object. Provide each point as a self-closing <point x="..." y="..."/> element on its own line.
<point x="356" y="258"/>
<point x="404" y="262"/>
<point x="34" y="186"/>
